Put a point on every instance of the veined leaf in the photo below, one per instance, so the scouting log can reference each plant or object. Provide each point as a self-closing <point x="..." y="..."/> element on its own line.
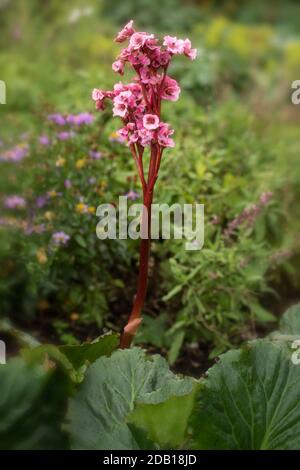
<point x="113" y="389"/>
<point x="102" y="346"/>
<point x="250" y="400"/>
<point x="74" y="359"/>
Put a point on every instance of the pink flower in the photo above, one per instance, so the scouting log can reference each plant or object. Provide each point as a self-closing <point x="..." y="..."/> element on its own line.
<point x="132" y="195"/>
<point x="170" y="89"/>
<point x="133" y="137"/>
<point x="163" y="136"/>
<point x="125" y="97"/>
<point x="188" y="51"/>
<point x="14" y="202"/>
<point x="164" y="58"/>
<point x="125" y="33"/>
<point x="138" y="40"/>
<point x="145" y="136"/>
<point x="98" y="94"/>
<point x="125" y="54"/>
<point x="151" y="43"/>
<point x="148" y="77"/>
<point x="150" y="121"/>
<point x="138" y="103"/>
<point x="143" y="60"/>
<point x="174" y="45"/>
<point x="119" y="109"/>
<point x="118" y="67"/>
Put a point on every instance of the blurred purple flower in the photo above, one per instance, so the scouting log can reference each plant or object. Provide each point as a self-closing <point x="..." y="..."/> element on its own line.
<point x="80" y="119"/>
<point x="41" y="201"/>
<point x="44" y="140"/>
<point x="57" y="119"/>
<point x="95" y="155"/>
<point x="14" y="202"/>
<point x="60" y="238"/>
<point x="92" y="180"/>
<point x="16" y="154"/>
<point x="132" y="195"/>
<point x="67" y="183"/>
<point x="65" y="135"/>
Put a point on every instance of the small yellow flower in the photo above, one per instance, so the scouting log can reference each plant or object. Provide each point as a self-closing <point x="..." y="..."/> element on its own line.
<point x="49" y="215"/>
<point x="81" y="208"/>
<point x="92" y="210"/>
<point x="113" y="135"/>
<point x="74" y="316"/>
<point x="60" y="162"/>
<point x="103" y="184"/>
<point x="80" y="163"/>
<point x="52" y="193"/>
<point x="41" y="256"/>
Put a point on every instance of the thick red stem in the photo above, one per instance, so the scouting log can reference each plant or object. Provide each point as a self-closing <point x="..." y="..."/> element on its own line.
<point x="135" y="316"/>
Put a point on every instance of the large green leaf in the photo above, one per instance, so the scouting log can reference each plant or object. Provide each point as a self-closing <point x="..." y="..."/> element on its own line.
<point x="113" y="388"/>
<point x="32" y="405"/>
<point x="250" y="400"/>
<point x="74" y="359"/>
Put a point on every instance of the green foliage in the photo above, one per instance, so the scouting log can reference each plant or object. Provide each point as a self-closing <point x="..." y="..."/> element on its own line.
<point x="250" y="399"/>
<point x="32" y="407"/>
<point x="153" y="14"/>
<point x="129" y="400"/>
<point x="73" y="359"/>
<point x="290" y="321"/>
<point x="228" y="152"/>
<point x="123" y="384"/>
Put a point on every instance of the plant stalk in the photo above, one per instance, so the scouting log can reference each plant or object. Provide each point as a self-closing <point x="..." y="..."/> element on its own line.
<point x="135" y="316"/>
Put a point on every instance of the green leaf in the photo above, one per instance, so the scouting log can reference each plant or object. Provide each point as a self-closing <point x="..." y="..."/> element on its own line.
<point x="290" y="321"/>
<point x="32" y="404"/>
<point x="102" y="346"/>
<point x="152" y="330"/>
<point x="74" y="359"/>
<point x="165" y="422"/>
<point x="80" y="240"/>
<point x="261" y="313"/>
<point x="112" y="390"/>
<point x="177" y="341"/>
<point x="250" y="400"/>
<point x="289" y="327"/>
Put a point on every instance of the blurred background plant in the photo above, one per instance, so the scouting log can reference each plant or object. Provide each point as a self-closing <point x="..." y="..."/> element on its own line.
<point x="237" y="147"/>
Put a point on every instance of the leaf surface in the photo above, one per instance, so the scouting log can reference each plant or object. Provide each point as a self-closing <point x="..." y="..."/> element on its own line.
<point x="113" y="389"/>
<point x="250" y="400"/>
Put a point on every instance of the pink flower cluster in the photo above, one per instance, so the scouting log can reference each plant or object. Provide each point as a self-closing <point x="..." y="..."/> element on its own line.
<point x="138" y="104"/>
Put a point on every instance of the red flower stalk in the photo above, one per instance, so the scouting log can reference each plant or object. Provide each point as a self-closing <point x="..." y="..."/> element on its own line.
<point x="138" y="104"/>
